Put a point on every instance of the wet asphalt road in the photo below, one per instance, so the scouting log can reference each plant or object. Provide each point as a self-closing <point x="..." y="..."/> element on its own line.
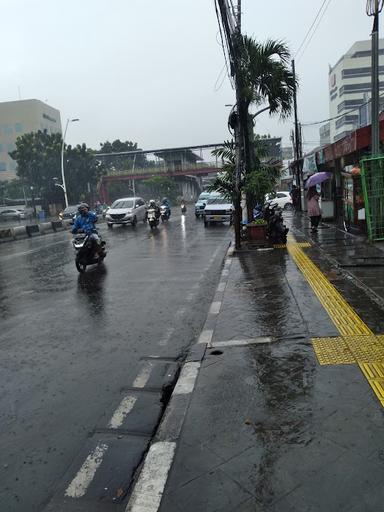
<point x="69" y="343"/>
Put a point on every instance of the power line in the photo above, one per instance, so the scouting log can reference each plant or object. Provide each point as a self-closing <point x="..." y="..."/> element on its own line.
<point x="225" y="47"/>
<point x="340" y="115"/>
<point x="314" y="30"/>
<point x="310" y="28"/>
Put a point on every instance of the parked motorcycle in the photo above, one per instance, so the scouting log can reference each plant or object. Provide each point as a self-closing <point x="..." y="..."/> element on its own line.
<point x="165" y="212"/>
<point x="183" y="208"/>
<point x="153" y="219"/>
<point x="88" y="251"/>
<point x="276" y="229"/>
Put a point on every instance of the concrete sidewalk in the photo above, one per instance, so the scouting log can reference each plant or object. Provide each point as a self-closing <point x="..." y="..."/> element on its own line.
<point x="268" y="428"/>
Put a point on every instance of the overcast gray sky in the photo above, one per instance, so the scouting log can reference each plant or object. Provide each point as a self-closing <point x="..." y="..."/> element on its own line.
<point x="149" y="70"/>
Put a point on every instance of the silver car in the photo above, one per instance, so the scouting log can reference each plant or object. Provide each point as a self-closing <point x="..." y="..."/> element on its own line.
<point x="127" y="210"/>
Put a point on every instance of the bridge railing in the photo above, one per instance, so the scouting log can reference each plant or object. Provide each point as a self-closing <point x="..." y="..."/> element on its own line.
<point x="162" y="168"/>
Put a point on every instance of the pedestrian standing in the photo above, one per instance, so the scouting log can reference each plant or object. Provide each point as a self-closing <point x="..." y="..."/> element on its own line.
<point x="314" y="211"/>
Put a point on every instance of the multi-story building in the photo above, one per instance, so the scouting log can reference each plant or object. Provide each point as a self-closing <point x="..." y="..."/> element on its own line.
<point x="350" y="86"/>
<point x="17" y="118"/>
<point x="325" y="134"/>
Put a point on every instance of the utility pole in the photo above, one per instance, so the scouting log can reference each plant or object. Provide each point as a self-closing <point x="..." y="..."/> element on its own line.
<point x="374" y="7"/>
<point x="297" y="145"/>
<point x="232" y="29"/>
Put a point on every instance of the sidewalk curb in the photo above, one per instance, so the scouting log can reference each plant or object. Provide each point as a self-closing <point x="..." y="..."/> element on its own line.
<point x="152" y="476"/>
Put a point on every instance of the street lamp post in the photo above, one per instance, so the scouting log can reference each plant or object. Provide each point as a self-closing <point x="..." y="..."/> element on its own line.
<point x="62" y="161"/>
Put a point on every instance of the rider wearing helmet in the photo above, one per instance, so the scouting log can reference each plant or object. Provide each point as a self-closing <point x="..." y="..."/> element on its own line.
<point x="85" y="221"/>
<point x="155" y="206"/>
<point x="167" y="204"/>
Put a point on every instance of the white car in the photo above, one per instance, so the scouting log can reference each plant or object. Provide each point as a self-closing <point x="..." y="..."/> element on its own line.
<point x="282" y="199"/>
<point x="200" y="203"/>
<point x="127" y="210"/>
<point x="218" y="209"/>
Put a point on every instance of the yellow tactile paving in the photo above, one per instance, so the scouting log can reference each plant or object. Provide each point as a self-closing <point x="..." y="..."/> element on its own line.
<point x="332" y="351"/>
<point x="374" y="373"/>
<point x="357" y="343"/>
<point x="343" y="316"/>
<point x="299" y="244"/>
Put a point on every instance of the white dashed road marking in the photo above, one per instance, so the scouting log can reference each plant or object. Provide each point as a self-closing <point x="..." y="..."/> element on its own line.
<point x="143" y="376"/>
<point x="122" y="411"/>
<point x="167" y="336"/>
<point x="79" y="485"/>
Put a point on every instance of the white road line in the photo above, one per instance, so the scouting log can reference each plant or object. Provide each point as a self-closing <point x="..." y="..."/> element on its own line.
<point x="167" y="336"/>
<point x="239" y="343"/>
<point x="79" y="485"/>
<point x="125" y="407"/>
<point x="190" y="296"/>
<point x="181" y="311"/>
<point x="205" y="336"/>
<point x="187" y="379"/>
<point x="221" y="286"/>
<point x="215" y="308"/>
<point x="143" y="376"/>
<point x="148" y="491"/>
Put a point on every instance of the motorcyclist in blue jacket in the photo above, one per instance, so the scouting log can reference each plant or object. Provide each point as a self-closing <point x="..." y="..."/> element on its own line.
<point x="85" y="222"/>
<point x="167" y="204"/>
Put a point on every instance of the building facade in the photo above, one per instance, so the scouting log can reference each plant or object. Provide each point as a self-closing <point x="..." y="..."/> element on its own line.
<point x="18" y="118"/>
<point x="350" y="88"/>
<point x="325" y="134"/>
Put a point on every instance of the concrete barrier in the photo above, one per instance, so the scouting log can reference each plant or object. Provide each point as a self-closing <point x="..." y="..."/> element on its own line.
<point x="19" y="233"/>
<point x="33" y="230"/>
<point x="57" y="225"/>
<point x="6" y="235"/>
<point x="46" y="227"/>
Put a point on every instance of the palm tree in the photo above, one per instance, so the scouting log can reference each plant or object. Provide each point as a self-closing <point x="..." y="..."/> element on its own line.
<point x="267" y="82"/>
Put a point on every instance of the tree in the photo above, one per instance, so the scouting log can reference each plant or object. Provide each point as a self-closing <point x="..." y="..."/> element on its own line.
<point x="82" y="172"/>
<point x="122" y="162"/>
<point x="38" y="157"/>
<point x="266" y="81"/>
<point x="161" y="186"/>
<point x="256" y="183"/>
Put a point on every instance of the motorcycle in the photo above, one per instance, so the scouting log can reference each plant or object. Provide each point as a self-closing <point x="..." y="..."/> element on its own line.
<point x="153" y="219"/>
<point x="276" y="229"/>
<point x="183" y="208"/>
<point x="165" y="212"/>
<point x="88" y="252"/>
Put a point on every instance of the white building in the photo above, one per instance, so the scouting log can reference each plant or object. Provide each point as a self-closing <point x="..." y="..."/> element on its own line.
<point x="17" y="118"/>
<point x="350" y="86"/>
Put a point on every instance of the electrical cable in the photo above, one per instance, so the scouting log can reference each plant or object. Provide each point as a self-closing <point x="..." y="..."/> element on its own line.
<point x="314" y="30"/>
<point x="310" y="28"/>
<point x="340" y="115"/>
<point x="224" y="47"/>
<point x="222" y="75"/>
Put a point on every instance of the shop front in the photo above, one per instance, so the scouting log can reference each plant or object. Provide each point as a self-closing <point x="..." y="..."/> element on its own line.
<point x="353" y="210"/>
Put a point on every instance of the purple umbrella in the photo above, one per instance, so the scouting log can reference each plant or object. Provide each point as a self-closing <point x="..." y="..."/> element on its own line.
<point x="319" y="177"/>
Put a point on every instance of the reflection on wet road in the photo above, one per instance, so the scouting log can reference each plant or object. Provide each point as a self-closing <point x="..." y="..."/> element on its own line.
<point x="70" y="342"/>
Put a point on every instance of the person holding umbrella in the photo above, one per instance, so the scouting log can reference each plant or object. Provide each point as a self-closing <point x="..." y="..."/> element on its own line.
<point x="314" y="211"/>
